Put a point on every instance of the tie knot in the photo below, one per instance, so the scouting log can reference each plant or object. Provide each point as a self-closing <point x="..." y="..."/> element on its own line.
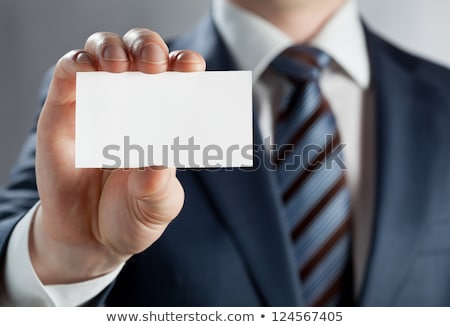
<point x="301" y="62"/>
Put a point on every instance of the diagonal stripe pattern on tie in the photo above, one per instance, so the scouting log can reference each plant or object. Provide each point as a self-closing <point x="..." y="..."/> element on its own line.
<point x="312" y="179"/>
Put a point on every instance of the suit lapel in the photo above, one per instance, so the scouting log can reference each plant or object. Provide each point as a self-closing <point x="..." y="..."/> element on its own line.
<point x="245" y="199"/>
<point x="406" y="135"/>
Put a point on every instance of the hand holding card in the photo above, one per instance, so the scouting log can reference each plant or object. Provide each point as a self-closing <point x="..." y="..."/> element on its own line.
<point x="95" y="219"/>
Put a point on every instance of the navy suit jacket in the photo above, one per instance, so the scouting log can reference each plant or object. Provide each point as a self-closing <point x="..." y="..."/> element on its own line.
<point x="228" y="246"/>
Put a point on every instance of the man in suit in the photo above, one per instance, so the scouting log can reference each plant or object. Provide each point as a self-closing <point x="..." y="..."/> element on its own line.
<point x="73" y="236"/>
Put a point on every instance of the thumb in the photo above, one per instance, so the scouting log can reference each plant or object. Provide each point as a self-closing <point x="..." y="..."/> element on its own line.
<point x="157" y="193"/>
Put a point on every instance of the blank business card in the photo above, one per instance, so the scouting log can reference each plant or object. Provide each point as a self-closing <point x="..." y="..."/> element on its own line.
<point x="183" y="120"/>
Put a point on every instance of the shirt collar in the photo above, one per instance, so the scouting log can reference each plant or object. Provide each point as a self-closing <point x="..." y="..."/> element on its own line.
<point x="254" y="42"/>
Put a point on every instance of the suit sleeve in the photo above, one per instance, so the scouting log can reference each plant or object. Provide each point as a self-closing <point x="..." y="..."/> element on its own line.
<point x="20" y="194"/>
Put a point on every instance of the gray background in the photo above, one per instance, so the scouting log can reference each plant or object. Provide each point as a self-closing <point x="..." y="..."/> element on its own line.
<point x="35" y="33"/>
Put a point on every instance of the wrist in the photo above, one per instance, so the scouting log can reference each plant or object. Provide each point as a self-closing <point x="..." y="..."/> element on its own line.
<point x="56" y="261"/>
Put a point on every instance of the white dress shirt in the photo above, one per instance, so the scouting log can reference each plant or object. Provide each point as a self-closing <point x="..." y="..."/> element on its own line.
<point x="254" y="43"/>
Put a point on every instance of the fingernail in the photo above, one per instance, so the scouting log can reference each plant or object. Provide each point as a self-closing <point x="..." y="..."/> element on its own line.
<point x="187" y="57"/>
<point x="153" y="54"/>
<point x="115" y="53"/>
<point x="83" y="58"/>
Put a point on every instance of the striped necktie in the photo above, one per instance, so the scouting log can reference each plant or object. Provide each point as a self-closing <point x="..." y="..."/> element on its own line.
<point x="312" y="180"/>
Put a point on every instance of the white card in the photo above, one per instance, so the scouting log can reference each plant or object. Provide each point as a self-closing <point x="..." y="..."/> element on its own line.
<point x="183" y="120"/>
